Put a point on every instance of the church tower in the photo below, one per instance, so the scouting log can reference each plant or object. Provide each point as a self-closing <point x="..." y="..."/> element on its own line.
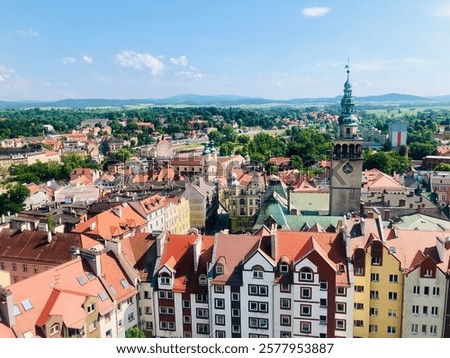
<point x="346" y="159"/>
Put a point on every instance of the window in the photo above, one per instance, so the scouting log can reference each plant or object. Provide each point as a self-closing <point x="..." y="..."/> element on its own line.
<point x="435" y="291"/>
<point x="358" y="323"/>
<point x="284" y="267"/>
<point x="235" y="296"/>
<point x="257" y="290"/>
<point x="392" y="313"/>
<point x="415" y="309"/>
<point x="261" y="323"/>
<point x="341" y="307"/>
<point x="235" y="312"/>
<point x="235" y="328"/>
<point x="219" y="303"/>
<point x="434" y="311"/>
<point x="305" y="310"/>
<point x="54" y="328"/>
<point x="284" y="334"/>
<point x="392" y="295"/>
<point x="131" y="317"/>
<point x="416" y="290"/>
<point x="359" y="288"/>
<point x="428" y="273"/>
<point x="25" y="268"/>
<point x="433" y="329"/>
<point x="341" y="291"/>
<point x="257" y="272"/>
<point x="218" y="288"/>
<point x="373" y="328"/>
<point x="219" y="269"/>
<point x="285" y="287"/>
<point x="306" y="274"/>
<point x="322" y="320"/>
<point x="305" y="292"/>
<point x="285" y="320"/>
<point x="2" y="266"/>
<point x="373" y="311"/>
<point x="358" y="306"/>
<point x="164" y="279"/>
<point x="425" y="310"/>
<point x="323" y="302"/>
<point x="391" y="329"/>
<point x="202" y="313"/>
<point x="148" y="310"/>
<point x="202" y="280"/>
<point x="376" y="261"/>
<point x="305" y="327"/>
<point x="201" y="298"/>
<point x="220" y="319"/>
<point x="14" y="266"/>
<point x="359" y="271"/>
<point x="202" y="328"/>
<point x="186" y="304"/>
<point x="375" y="277"/>
<point x="393" y="278"/>
<point x="90" y="308"/>
<point x="340" y="324"/>
<point x="323" y="285"/>
<point x="285" y="303"/>
<point x="374" y="295"/>
<point x="220" y="334"/>
<point x="426" y="290"/>
<point x="414" y="328"/>
<point x="254" y="306"/>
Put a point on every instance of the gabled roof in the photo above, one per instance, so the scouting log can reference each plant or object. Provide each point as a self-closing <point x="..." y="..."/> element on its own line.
<point x="56" y="291"/>
<point x="377" y="181"/>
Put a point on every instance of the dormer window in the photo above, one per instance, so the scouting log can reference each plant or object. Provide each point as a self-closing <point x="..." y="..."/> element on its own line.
<point x="306" y="274"/>
<point x="284" y="268"/>
<point x="164" y="279"/>
<point x="219" y="269"/>
<point x="54" y="329"/>
<point x="258" y="272"/>
<point x="202" y="280"/>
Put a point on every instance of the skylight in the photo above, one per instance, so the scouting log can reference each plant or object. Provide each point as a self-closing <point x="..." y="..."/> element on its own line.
<point x="103" y="296"/>
<point x="16" y="310"/>
<point x="81" y="280"/>
<point x="124" y="283"/>
<point x="26" y="304"/>
<point x="90" y="276"/>
<point x="113" y="290"/>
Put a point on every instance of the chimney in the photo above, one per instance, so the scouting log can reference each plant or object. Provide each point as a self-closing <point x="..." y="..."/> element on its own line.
<point x="6" y="306"/>
<point x="197" y="248"/>
<point x="3" y="218"/>
<point x="289" y="200"/>
<point x="386" y="215"/>
<point x="49" y="237"/>
<point x="273" y="241"/>
<point x="114" y="245"/>
<point x="160" y="241"/>
<point x="92" y="256"/>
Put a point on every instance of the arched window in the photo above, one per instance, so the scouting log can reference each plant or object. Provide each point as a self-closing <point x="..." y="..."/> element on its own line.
<point x="258" y="272"/>
<point x="306" y="274"/>
<point x="219" y="269"/>
<point x="202" y="280"/>
<point x="284" y="267"/>
<point x="164" y="278"/>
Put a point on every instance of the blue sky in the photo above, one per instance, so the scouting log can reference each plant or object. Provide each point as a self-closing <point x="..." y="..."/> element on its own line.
<point x="55" y="49"/>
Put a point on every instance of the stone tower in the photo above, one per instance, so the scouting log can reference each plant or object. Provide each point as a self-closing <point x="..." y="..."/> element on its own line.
<point x="346" y="159"/>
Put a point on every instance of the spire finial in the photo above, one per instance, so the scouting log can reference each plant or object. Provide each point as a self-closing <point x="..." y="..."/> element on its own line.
<point x="347" y="66"/>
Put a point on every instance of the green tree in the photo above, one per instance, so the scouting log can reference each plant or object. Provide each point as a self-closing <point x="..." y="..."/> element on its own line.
<point x="442" y="167"/>
<point x="134" y="332"/>
<point x="13" y="200"/>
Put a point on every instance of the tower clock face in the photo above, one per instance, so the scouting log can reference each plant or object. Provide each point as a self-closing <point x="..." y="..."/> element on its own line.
<point x="347" y="168"/>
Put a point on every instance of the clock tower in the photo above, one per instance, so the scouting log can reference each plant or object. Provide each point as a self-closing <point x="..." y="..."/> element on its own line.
<point x="346" y="159"/>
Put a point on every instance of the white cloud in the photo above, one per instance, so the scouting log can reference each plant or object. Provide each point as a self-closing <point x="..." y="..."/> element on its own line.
<point x="443" y="11"/>
<point x="180" y="61"/>
<point x="140" y="61"/>
<point x="315" y="11"/>
<point x="190" y="74"/>
<point x="68" y="60"/>
<point x="29" y="33"/>
<point x="87" y="59"/>
<point x="5" y="73"/>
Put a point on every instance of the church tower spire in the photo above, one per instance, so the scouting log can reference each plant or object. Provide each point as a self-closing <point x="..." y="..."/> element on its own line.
<point x="346" y="160"/>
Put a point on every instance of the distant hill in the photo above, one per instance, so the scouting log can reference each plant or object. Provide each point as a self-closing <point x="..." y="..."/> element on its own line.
<point x="220" y="100"/>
